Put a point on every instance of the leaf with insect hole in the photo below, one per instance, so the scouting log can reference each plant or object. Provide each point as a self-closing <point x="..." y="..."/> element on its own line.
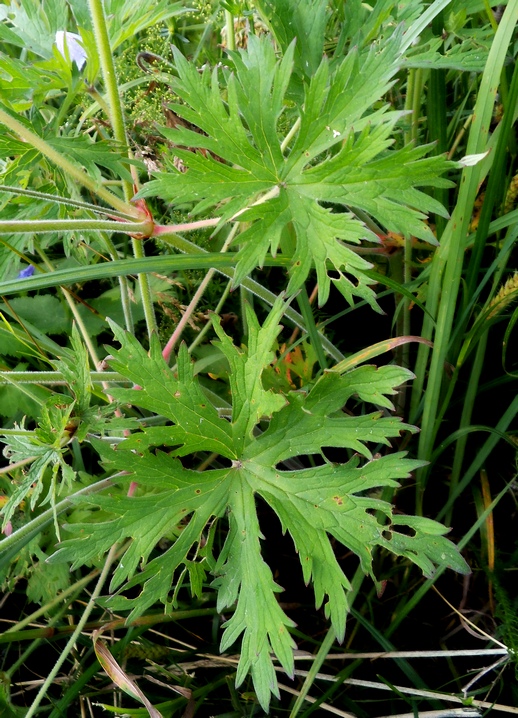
<point x="266" y="434"/>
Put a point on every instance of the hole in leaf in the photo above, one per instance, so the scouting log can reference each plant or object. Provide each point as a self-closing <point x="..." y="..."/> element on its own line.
<point x="222" y="463"/>
<point x="406" y="530"/>
<point x="334" y="455"/>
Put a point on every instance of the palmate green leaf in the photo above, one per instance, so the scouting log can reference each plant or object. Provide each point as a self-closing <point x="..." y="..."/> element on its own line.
<point x="46" y="582"/>
<point x="91" y="155"/>
<point x="468" y="56"/>
<point x="21" y="82"/>
<point x="126" y="19"/>
<point x="425" y="545"/>
<point x="45" y="448"/>
<point x="33" y="25"/>
<point x="313" y="504"/>
<point x="339" y="156"/>
<point x="44" y="310"/>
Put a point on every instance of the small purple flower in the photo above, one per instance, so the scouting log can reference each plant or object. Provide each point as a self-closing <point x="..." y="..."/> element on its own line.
<point x="27" y="272"/>
<point x="74" y="43"/>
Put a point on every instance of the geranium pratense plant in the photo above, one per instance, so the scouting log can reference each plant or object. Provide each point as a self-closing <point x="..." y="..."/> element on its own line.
<point x="311" y="503"/>
<point x="295" y="168"/>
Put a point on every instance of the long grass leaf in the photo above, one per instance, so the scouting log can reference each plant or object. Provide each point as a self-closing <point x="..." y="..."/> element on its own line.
<point x="452" y="245"/>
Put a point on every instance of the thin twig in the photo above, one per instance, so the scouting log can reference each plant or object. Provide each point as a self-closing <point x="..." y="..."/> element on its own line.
<point x="409" y="691"/>
<point x="166" y="353"/>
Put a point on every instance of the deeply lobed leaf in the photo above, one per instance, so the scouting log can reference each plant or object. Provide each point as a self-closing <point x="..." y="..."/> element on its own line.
<point x="339" y="156"/>
<point x="313" y="503"/>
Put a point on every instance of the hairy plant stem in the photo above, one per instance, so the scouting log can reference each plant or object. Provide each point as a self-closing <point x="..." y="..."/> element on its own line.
<point x="161" y="229"/>
<point x="67" y="166"/>
<point x="73" y="638"/>
<point x="145" y="289"/>
<point x="51" y="378"/>
<point x="119" y="130"/>
<point x="123" y="284"/>
<point x="400" y="271"/>
<point x="229" y="27"/>
<point x="116" y="115"/>
<point x="46" y="197"/>
<point x="39" y="226"/>
<point x="16" y="465"/>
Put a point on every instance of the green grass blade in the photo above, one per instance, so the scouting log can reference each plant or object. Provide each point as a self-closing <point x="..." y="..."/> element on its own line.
<point x="477" y="463"/>
<point x="452" y="245"/>
<point x="324" y="649"/>
<point x="309" y="320"/>
<point x="124" y="267"/>
<point x="494" y="191"/>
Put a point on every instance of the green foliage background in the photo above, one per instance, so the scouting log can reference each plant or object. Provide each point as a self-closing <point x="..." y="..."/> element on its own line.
<point x="213" y="174"/>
